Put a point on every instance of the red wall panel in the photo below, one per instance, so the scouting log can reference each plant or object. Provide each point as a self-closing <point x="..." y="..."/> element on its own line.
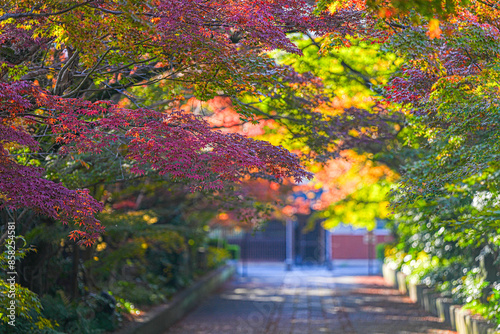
<point x="353" y="247"/>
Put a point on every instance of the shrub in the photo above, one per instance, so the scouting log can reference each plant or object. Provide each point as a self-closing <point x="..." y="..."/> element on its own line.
<point x="217" y="256"/>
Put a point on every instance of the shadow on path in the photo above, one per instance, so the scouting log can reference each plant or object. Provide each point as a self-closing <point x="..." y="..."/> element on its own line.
<point x="307" y="300"/>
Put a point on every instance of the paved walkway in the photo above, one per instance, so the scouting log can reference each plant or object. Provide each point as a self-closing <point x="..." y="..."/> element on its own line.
<point x="308" y="300"/>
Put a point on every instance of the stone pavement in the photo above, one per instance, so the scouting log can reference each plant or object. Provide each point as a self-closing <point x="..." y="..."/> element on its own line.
<point x="308" y="300"/>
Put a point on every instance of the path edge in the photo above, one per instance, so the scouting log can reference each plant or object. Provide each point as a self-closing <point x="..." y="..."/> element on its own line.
<point x="461" y="320"/>
<point x="183" y="302"/>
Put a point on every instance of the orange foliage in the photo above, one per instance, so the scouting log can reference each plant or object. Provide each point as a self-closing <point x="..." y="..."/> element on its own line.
<point x="219" y="113"/>
<point x="341" y="177"/>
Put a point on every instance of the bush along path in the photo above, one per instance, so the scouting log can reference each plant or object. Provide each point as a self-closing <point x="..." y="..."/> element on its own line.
<point x="429" y="289"/>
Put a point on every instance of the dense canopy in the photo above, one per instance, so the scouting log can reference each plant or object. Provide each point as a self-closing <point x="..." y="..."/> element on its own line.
<point x="112" y="108"/>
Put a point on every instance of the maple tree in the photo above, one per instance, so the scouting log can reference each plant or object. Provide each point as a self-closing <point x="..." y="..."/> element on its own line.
<point x="66" y="69"/>
<point x="446" y="203"/>
<point x="59" y="76"/>
<point x="96" y="91"/>
<point x="342" y="86"/>
<point x="446" y="87"/>
<point x="351" y="186"/>
<point x="62" y="65"/>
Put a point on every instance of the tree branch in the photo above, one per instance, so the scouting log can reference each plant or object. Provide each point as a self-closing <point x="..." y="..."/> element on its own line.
<point x="77" y="89"/>
<point x="34" y="15"/>
<point x="63" y="70"/>
<point x="492" y="5"/>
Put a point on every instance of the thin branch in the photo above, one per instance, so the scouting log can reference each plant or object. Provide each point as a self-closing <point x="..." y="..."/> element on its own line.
<point x="472" y="60"/>
<point x="77" y="89"/>
<point x="492" y="5"/>
<point x="313" y="41"/>
<point x="116" y="180"/>
<point x="63" y="70"/>
<point x="34" y="15"/>
<point x="128" y="65"/>
<point x="396" y="25"/>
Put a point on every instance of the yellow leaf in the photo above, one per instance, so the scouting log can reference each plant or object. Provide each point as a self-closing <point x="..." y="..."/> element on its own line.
<point x="434" y="30"/>
<point x="385" y="12"/>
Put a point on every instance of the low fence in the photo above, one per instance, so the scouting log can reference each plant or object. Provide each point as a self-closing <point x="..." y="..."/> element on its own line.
<point x="460" y="319"/>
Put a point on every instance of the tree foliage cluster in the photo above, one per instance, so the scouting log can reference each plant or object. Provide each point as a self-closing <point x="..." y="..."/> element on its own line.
<point x="446" y="202"/>
<point x="94" y="117"/>
<point x="93" y="132"/>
